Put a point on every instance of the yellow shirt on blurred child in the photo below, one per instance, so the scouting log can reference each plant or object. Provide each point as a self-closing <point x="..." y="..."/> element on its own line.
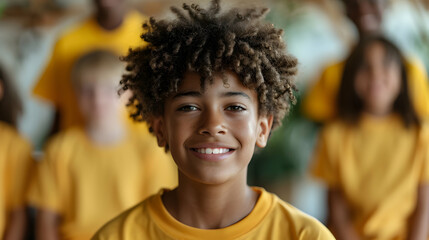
<point x="15" y="167"/>
<point x="271" y="218"/>
<point x="378" y="165"/>
<point x="55" y="84"/>
<point x="319" y="104"/>
<point x="89" y="184"/>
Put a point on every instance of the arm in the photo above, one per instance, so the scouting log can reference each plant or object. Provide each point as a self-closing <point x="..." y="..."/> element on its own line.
<point x="16" y="225"/>
<point x="339" y="218"/>
<point x="419" y="220"/>
<point x="47" y="225"/>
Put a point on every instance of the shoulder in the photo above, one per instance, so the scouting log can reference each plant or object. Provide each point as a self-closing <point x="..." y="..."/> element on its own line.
<point x="75" y="31"/>
<point x="65" y="140"/>
<point x="424" y="131"/>
<point x="334" y="70"/>
<point x="10" y="136"/>
<point x="135" y="17"/>
<point x="334" y="130"/>
<point x="303" y="225"/>
<point x="125" y="224"/>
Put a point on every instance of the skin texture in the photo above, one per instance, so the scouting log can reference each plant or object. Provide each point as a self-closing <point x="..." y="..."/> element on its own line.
<point x="212" y="191"/>
<point x="339" y="220"/>
<point x="47" y="223"/>
<point x="16" y="225"/>
<point x="378" y="82"/>
<point x="419" y="220"/>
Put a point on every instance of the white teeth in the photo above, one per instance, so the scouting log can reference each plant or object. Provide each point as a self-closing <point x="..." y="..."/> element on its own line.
<point x="212" y="150"/>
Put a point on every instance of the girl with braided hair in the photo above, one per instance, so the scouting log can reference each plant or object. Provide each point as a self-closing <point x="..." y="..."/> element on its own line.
<point x="212" y="85"/>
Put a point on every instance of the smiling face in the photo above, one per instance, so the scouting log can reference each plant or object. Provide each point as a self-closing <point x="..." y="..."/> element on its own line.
<point x="212" y="133"/>
<point x="378" y="81"/>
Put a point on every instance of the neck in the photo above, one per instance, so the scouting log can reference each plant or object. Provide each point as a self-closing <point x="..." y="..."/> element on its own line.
<point x="106" y="132"/>
<point x="110" y="20"/>
<point x="210" y="206"/>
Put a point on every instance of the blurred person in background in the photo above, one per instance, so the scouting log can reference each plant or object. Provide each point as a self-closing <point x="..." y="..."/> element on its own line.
<point x="111" y="27"/>
<point x="374" y="158"/>
<point x="367" y="16"/>
<point x="93" y="172"/>
<point x="15" y="165"/>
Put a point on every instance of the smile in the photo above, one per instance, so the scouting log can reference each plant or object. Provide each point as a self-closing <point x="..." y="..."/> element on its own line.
<point x="211" y="150"/>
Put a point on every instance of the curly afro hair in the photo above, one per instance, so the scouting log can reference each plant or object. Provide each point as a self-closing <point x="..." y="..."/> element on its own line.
<point x="207" y="41"/>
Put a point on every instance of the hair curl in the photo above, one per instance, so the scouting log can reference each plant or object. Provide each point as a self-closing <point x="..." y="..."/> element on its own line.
<point x="207" y="41"/>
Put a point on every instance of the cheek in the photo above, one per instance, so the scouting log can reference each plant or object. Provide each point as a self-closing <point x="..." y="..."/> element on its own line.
<point x="174" y="135"/>
<point x="360" y="85"/>
<point x="394" y="83"/>
<point x="245" y="129"/>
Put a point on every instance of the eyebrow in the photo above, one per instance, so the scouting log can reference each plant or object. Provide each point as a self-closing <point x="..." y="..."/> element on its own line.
<point x="232" y="94"/>
<point x="187" y="94"/>
<point x="198" y="94"/>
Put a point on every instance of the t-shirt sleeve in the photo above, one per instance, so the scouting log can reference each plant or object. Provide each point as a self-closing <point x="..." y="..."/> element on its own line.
<point x="317" y="232"/>
<point x="319" y="102"/>
<point x="19" y="170"/>
<point x="324" y="162"/>
<point x="423" y="151"/>
<point x="419" y="87"/>
<point x="45" y="192"/>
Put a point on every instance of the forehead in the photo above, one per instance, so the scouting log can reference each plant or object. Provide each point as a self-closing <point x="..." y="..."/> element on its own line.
<point x="103" y="75"/>
<point x="222" y="81"/>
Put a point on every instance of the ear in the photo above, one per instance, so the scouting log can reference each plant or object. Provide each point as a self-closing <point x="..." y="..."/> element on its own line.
<point x="159" y="131"/>
<point x="264" y="128"/>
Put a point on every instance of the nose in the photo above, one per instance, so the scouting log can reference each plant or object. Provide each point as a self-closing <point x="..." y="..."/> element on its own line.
<point x="212" y="123"/>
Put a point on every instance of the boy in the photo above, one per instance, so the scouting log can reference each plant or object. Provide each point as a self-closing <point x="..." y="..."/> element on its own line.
<point x="111" y="27"/>
<point x="88" y="175"/>
<point x="212" y="86"/>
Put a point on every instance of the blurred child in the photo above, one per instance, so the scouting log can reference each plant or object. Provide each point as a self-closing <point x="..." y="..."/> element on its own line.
<point x="212" y="85"/>
<point x="90" y="174"/>
<point x="15" y="164"/>
<point x="375" y="158"/>
<point x="367" y="17"/>
<point x="111" y="27"/>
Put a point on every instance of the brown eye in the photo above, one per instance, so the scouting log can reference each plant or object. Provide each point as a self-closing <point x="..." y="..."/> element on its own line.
<point x="235" y="108"/>
<point x="187" y="108"/>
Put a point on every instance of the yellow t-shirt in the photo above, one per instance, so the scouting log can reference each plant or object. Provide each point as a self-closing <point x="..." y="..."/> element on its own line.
<point x="378" y="165"/>
<point x="15" y="167"/>
<point x="55" y="84"/>
<point x="271" y="218"/>
<point x="88" y="184"/>
<point x="319" y="104"/>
